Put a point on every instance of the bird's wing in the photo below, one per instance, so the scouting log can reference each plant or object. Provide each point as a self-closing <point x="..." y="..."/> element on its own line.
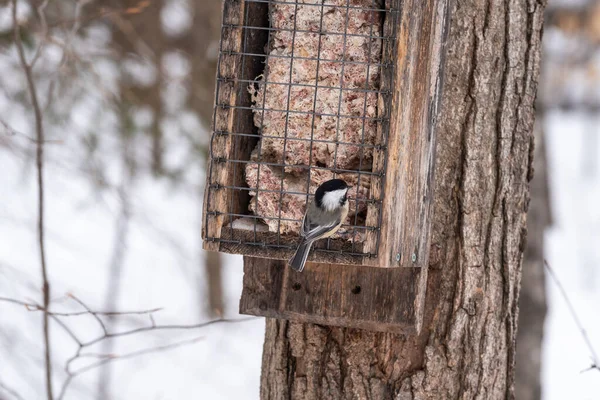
<point x="314" y="232"/>
<point x="305" y="226"/>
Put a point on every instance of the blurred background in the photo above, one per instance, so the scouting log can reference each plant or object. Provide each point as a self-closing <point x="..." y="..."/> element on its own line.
<point x="126" y="89"/>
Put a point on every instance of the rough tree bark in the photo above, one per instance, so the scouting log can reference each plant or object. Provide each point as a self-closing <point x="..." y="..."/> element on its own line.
<point x="484" y="163"/>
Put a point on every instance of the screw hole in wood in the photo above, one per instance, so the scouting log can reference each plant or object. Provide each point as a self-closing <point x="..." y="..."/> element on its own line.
<point x="296" y="286"/>
<point x="356" y="290"/>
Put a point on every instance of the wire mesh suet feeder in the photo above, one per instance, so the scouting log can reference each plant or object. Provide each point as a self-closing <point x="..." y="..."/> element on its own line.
<point x="307" y="91"/>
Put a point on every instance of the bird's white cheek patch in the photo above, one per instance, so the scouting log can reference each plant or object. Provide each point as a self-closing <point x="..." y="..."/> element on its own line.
<point x="331" y="200"/>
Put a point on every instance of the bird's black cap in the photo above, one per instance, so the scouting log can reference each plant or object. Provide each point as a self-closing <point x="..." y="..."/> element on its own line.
<point x="329" y="186"/>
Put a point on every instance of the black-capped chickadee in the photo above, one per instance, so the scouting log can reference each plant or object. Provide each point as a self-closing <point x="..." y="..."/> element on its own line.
<point x="323" y="217"/>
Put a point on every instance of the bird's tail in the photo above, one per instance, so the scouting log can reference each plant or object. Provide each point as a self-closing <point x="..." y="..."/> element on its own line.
<point x="297" y="262"/>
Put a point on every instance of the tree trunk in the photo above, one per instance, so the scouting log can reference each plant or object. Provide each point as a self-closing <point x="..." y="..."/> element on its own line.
<point x="203" y="55"/>
<point x="467" y="346"/>
<point x="532" y="301"/>
<point x="214" y="285"/>
<point x="205" y="37"/>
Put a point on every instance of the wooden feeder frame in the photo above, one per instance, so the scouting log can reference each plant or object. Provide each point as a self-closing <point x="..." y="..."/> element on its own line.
<point x="390" y="267"/>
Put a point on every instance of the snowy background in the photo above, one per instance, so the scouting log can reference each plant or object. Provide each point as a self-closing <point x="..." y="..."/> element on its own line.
<point x="573" y="251"/>
<point x="87" y="174"/>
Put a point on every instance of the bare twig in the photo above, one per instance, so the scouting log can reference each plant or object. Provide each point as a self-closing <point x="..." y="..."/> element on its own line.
<point x="130" y="33"/>
<point x="13" y="132"/>
<point x="166" y="328"/>
<point x="115" y="313"/>
<point x="39" y="129"/>
<point x="96" y="317"/>
<point x="36" y="307"/>
<point x="97" y="15"/>
<point x="10" y="131"/>
<point x="94" y="16"/>
<point x="586" y="338"/>
<point x="109" y="358"/>
<point x="106" y="358"/>
<point x="42" y="14"/>
<point x="78" y="10"/>
<point x="67" y="330"/>
<point x="29" y="306"/>
<point x="11" y="391"/>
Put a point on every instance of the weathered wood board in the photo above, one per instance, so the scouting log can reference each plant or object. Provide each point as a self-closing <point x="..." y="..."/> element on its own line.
<point x="378" y="299"/>
<point x="233" y="67"/>
<point x="409" y="167"/>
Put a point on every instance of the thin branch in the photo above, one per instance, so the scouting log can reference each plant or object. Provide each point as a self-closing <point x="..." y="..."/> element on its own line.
<point x="41" y="10"/>
<point x="96" y="317"/>
<point x="10" y="131"/>
<point x="586" y="338"/>
<point x="29" y="306"/>
<point x="11" y="391"/>
<point x="166" y="328"/>
<point x="13" y="132"/>
<point x="111" y="313"/>
<point x="106" y="358"/>
<point x="67" y="330"/>
<point x="39" y="129"/>
<point x="116" y="313"/>
<point x="591" y="367"/>
<point x="96" y="15"/>
<point x="78" y="10"/>
<point x="37" y="307"/>
<point x="109" y="358"/>
<point x="63" y="23"/>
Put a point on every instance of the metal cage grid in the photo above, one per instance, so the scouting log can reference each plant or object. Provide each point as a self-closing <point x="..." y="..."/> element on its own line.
<point x="280" y="154"/>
